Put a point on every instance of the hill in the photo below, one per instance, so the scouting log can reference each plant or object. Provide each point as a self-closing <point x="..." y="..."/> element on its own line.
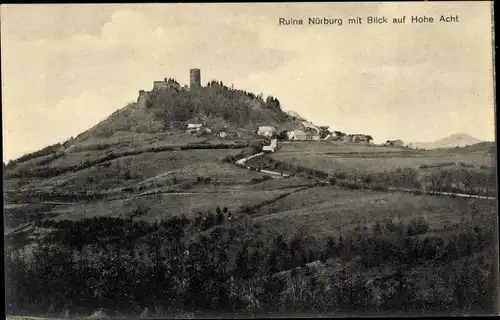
<point x="455" y="140"/>
<point x="170" y="105"/>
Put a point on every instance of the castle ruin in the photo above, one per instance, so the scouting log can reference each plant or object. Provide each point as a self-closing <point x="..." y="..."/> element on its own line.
<point x="194" y="78"/>
<point x="170" y="83"/>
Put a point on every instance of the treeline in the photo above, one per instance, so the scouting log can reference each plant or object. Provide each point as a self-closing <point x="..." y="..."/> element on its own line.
<point x="63" y="196"/>
<point x="462" y="180"/>
<point x="214" y="101"/>
<point x="216" y="263"/>
<point x="455" y="180"/>
<point x="40" y="153"/>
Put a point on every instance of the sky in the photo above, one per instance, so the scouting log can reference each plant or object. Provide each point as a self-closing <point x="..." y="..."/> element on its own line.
<point x="67" y="67"/>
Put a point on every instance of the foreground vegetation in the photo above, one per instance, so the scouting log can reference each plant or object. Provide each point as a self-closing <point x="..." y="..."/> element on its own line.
<point x="217" y="263"/>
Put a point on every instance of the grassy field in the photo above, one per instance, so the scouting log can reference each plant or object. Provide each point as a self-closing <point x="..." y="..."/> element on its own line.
<point x="325" y="211"/>
<point x="150" y="169"/>
<point x="163" y="206"/>
<point x="332" y="157"/>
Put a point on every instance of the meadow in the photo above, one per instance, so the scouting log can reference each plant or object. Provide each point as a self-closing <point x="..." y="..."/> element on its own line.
<point x="162" y="168"/>
<point x="163" y="206"/>
<point x="326" y="211"/>
<point x="331" y="157"/>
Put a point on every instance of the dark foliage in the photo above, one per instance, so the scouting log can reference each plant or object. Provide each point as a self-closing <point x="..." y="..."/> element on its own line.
<point x="210" y="263"/>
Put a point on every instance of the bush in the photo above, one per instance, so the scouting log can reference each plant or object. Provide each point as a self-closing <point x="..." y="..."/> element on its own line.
<point x="466" y="165"/>
<point x="261" y="179"/>
<point x="436" y="165"/>
<point x="351" y="185"/>
<point x="367" y="178"/>
<point x="341" y="175"/>
<point x="229" y="159"/>
<point x="380" y="187"/>
<point x="417" y="226"/>
<point x="205" y="180"/>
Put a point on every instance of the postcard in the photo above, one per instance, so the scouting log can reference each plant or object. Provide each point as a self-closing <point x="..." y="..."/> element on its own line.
<point x="237" y="160"/>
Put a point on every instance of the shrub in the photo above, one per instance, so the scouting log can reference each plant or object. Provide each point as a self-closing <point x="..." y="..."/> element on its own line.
<point x="260" y="179"/>
<point x="417" y="226"/>
<point x="341" y="175"/>
<point x="367" y="178"/>
<point x="466" y="165"/>
<point x="206" y="180"/>
<point x="380" y="187"/>
<point x="351" y="185"/>
<point x="229" y="159"/>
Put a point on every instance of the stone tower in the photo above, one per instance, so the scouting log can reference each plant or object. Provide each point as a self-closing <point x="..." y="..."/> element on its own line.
<point x="194" y="78"/>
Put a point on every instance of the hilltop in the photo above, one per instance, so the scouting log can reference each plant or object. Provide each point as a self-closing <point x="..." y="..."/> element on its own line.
<point x="167" y="106"/>
<point x="455" y="140"/>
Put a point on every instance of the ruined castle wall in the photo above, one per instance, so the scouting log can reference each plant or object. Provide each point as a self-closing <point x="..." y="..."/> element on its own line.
<point x="159" y="85"/>
<point x="142" y="99"/>
<point x="195" y="78"/>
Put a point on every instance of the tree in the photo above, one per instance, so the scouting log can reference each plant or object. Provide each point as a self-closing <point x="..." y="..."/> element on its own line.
<point x="467" y="181"/>
<point x="242" y="269"/>
<point x="220" y="217"/>
<point x="283" y="135"/>
<point x="127" y="175"/>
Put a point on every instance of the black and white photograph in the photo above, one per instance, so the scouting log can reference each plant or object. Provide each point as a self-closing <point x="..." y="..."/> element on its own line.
<point x="249" y="160"/>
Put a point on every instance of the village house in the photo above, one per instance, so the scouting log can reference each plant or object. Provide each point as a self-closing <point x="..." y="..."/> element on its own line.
<point x="266" y="131"/>
<point x="195" y="128"/>
<point x="311" y="130"/>
<point x="324" y="132"/>
<point x="223" y="134"/>
<point x="395" y="143"/>
<point x="298" y="135"/>
<point x="339" y="136"/>
<point x="360" y="138"/>
<point x="305" y="131"/>
<point x="271" y="147"/>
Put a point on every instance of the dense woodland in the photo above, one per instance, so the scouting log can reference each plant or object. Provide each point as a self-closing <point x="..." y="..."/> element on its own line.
<point x="215" y="101"/>
<point x="217" y="263"/>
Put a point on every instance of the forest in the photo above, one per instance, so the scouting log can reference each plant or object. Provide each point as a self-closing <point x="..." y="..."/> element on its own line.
<point x="215" y="101"/>
<point x="217" y="263"/>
